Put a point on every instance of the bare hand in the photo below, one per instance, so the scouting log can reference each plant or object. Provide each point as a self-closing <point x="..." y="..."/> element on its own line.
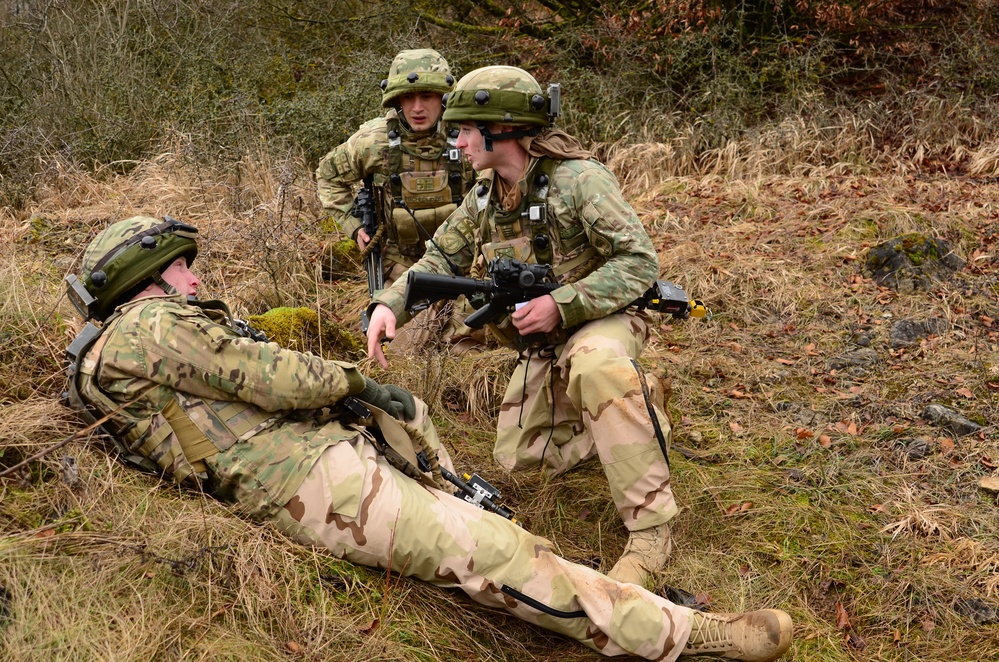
<point x="362" y="239"/>
<point x="539" y="315"/>
<point x="380" y="326"/>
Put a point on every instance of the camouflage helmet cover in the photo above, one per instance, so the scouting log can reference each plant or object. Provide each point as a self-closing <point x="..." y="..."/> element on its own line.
<point x="127" y="253"/>
<point x="419" y="70"/>
<point x="505" y="95"/>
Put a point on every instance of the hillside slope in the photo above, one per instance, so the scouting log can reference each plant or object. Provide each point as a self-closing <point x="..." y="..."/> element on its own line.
<point x="807" y="477"/>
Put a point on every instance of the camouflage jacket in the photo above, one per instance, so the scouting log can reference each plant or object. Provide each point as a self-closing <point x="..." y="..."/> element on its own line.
<point x="598" y="247"/>
<point x="371" y="151"/>
<point x="261" y="410"/>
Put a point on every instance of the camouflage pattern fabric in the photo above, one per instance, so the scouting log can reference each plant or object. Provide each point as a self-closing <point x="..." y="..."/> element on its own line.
<point x="422" y="532"/>
<point x="586" y="211"/>
<point x="365" y="153"/>
<point x="322" y="482"/>
<point x="263" y="406"/>
<point x="592" y="352"/>
<point x="510" y="90"/>
<point x="586" y="400"/>
<point x="433" y="74"/>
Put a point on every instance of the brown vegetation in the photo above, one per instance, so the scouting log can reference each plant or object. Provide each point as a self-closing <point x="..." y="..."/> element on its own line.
<point x="796" y="482"/>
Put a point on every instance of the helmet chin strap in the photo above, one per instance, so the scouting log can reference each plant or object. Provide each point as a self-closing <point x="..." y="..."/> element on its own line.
<point x="165" y="286"/>
<point x="488" y="136"/>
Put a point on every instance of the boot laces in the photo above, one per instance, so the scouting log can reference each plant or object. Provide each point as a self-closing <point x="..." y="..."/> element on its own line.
<point x="710" y="631"/>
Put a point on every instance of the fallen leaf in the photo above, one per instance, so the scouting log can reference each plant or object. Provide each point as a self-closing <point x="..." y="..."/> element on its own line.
<point x="744" y="570"/>
<point x="785" y="361"/>
<point x="896" y="636"/>
<point x="928" y="625"/>
<point x="803" y="433"/>
<point x="45" y="533"/>
<point x="842" y="618"/>
<point x="965" y="392"/>
<point x="583" y="514"/>
<point x="825" y="441"/>
<point x="877" y="508"/>
<point x="735" y="427"/>
<point x="946" y="444"/>
<point x="732" y="510"/>
<point x="746" y="506"/>
<point x="702" y="599"/>
<point x="292" y="646"/>
<point x="989" y="483"/>
<point x="370" y="627"/>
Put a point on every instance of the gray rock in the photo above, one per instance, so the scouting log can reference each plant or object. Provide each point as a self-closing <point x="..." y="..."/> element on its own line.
<point x="949" y="419"/>
<point x="912" y="262"/>
<point x="917" y="448"/>
<point x="908" y="332"/>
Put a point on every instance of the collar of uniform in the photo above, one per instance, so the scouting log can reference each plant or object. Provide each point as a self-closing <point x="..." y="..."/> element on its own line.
<point x="175" y="298"/>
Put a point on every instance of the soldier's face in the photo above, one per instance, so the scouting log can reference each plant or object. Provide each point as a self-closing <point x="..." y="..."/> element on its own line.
<point x="471" y="143"/>
<point x="178" y="275"/>
<point x="421" y="109"/>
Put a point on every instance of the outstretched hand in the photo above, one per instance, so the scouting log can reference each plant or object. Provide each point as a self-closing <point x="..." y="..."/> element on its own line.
<point x="380" y="326"/>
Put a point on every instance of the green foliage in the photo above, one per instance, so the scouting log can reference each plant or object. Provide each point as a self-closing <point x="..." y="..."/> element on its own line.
<point x="301" y="329"/>
<point x="108" y="83"/>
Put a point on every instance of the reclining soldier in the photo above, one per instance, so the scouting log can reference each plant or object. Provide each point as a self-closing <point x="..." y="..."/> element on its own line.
<point x="301" y="441"/>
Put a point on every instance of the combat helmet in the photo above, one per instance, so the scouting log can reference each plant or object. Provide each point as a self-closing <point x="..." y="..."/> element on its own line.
<point x="502" y="95"/>
<point x="419" y="70"/>
<point x="125" y="257"/>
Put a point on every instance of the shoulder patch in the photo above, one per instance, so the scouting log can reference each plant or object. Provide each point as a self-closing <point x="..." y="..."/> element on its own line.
<point x="451" y="242"/>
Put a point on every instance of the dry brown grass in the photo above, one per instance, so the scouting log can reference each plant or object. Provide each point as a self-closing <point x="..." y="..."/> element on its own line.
<point x="803" y="496"/>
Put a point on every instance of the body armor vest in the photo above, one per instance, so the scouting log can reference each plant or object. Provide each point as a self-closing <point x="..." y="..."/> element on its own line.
<point x="175" y="441"/>
<point x="525" y="234"/>
<point x="425" y="184"/>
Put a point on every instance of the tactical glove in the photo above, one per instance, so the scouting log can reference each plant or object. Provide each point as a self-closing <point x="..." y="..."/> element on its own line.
<point x="393" y="399"/>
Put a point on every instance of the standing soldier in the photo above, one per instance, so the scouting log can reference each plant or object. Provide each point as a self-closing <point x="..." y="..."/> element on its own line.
<point x="577" y="391"/>
<point x="409" y="160"/>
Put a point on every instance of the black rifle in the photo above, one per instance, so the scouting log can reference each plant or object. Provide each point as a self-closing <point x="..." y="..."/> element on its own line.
<point x="366" y="210"/>
<point x="511" y="282"/>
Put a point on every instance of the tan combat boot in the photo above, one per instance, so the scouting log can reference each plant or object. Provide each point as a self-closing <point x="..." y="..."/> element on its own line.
<point x="755" y="636"/>
<point x="645" y="553"/>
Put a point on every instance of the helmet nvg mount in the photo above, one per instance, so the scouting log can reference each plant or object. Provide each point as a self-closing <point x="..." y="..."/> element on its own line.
<point x="122" y="260"/>
<point x="503" y="95"/>
<point x="419" y="70"/>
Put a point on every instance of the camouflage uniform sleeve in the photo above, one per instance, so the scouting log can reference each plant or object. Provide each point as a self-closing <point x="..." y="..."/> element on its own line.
<point x="340" y="170"/>
<point x="594" y="199"/>
<point x="454" y="241"/>
<point x="180" y="347"/>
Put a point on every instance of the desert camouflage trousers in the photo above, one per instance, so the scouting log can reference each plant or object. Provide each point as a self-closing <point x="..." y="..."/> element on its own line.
<point x="397" y="523"/>
<point x="566" y="404"/>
